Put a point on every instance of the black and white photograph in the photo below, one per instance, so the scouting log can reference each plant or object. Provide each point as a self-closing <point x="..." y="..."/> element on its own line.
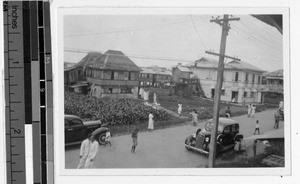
<point x="173" y="91"/>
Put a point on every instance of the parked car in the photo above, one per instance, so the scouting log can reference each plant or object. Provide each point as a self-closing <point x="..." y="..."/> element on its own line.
<point x="228" y="133"/>
<point x="76" y="130"/>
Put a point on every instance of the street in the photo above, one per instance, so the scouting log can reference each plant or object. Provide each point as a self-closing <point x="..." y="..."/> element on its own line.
<point x="163" y="148"/>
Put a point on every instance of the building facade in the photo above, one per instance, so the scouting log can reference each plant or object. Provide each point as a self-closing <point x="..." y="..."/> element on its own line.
<point x="273" y="87"/>
<point x="241" y="81"/>
<point x="108" y="74"/>
<point x="155" y="76"/>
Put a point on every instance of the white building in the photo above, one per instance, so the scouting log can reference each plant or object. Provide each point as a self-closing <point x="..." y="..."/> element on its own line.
<point x="242" y="81"/>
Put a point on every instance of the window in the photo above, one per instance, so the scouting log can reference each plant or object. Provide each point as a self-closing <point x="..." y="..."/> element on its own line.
<point x="126" y="75"/>
<point x="246" y="78"/>
<point x="107" y="74"/>
<point x="75" y="122"/>
<point x="253" y="78"/>
<point x="258" y="80"/>
<point x="252" y="94"/>
<point x="121" y="76"/>
<point x="236" y="76"/>
<point x="116" y="75"/>
<point x="227" y="129"/>
<point x="134" y="75"/>
<point x="110" y="90"/>
<point x="223" y="92"/>
<point x="245" y="94"/>
<point x="125" y="90"/>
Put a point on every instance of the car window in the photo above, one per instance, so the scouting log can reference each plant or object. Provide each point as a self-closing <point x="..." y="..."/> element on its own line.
<point x="227" y="129"/>
<point x="209" y="127"/>
<point x="75" y="122"/>
<point x="235" y="128"/>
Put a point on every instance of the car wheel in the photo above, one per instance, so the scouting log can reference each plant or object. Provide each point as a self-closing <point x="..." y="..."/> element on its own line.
<point x="188" y="142"/>
<point x="101" y="138"/>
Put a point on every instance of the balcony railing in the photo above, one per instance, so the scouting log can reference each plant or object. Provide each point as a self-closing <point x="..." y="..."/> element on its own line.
<point x="107" y="82"/>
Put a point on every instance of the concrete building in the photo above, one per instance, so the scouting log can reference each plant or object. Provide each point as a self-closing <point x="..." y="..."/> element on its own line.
<point x="242" y="81"/>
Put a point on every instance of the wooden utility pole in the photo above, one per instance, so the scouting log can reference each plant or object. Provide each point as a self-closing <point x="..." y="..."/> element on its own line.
<point x="225" y="28"/>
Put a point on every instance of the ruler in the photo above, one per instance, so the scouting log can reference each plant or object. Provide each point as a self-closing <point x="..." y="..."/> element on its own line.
<point x="28" y="89"/>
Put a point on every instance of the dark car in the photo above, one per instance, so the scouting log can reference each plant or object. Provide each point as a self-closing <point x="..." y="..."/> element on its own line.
<point x="228" y="133"/>
<point x="76" y="130"/>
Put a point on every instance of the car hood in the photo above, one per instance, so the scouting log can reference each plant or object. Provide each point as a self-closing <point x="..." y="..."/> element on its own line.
<point x="91" y="123"/>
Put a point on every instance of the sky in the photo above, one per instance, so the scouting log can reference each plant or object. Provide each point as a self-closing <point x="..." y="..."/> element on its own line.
<point x="166" y="40"/>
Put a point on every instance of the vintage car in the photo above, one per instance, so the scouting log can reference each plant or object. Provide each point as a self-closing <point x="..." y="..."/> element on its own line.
<point x="228" y="133"/>
<point x="76" y="130"/>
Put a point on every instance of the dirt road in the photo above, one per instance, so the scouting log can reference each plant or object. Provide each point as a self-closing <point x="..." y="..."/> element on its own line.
<point x="163" y="148"/>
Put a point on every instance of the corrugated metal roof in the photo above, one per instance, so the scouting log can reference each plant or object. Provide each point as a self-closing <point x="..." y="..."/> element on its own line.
<point x="155" y="70"/>
<point x="111" y="59"/>
<point x="212" y="63"/>
<point x="277" y="73"/>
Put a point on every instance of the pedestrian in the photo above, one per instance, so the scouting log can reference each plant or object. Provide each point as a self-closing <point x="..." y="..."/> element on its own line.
<point x="84" y="151"/>
<point x="276" y="117"/>
<point x="253" y="111"/>
<point x="254" y="147"/>
<point x="150" y="122"/>
<point x="91" y="158"/>
<point x="134" y="136"/>
<point x="179" y="108"/>
<point x="249" y="110"/>
<point x="257" y="127"/>
<point x="107" y="138"/>
<point x="194" y="117"/>
<point x="228" y="112"/>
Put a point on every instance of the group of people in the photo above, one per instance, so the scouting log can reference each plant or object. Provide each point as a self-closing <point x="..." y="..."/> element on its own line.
<point x="251" y="110"/>
<point x="89" y="149"/>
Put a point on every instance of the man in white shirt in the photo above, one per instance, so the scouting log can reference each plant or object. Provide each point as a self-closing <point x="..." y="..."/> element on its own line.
<point x="84" y="151"/>
<point x="92" y="154"/>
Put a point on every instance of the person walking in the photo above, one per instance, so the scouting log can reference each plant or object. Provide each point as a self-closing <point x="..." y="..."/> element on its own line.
<point x="194" y="117"/>
<point x="254" y="147"/>
<point x="276" y="117"/>
<point x="228" y="112"/>
<point x="91" y="158"/>
<point x="150" y="122"/>
<point x="84" y="151"/>
<point x="249" y="110"/>
<point x="179" y="108"/>
<point x="256" y="127"/>
<point x="134" y="136"/>
<point x="253" y="108"/>
<point x="107" y="138"/>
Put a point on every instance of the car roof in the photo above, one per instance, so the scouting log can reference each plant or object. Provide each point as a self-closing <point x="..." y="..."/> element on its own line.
<point x="71" y="116"/>
<point x="225" y="121"/>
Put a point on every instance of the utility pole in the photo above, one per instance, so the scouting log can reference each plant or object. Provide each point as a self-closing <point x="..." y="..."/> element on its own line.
<point x="225" y="28"/>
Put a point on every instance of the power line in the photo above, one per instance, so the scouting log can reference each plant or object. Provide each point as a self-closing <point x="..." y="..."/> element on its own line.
<point x="197" y="32"/>
<point x="132" y="56"/>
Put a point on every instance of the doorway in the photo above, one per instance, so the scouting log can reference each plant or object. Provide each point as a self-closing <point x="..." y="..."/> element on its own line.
<point x="234" y="96"/>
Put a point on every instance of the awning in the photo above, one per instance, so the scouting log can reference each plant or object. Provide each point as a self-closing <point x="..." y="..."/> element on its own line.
<point x="273" y="134"/>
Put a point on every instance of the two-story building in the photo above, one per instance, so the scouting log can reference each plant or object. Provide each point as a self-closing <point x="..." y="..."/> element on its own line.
<point x="241" y="80"/>
<point x="108" y="74"/>
<point x="155" y="76"/>
<point x="273" y="87"/>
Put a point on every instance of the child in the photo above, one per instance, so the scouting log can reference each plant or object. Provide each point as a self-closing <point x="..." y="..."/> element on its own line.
<point x="107" y="138"/>
<point x="249" y="110"/>
<point x="253" y="111"/>
<point x="256" y="127"/>
<point x="228" y="113"/>
<point x="134" y="136"/>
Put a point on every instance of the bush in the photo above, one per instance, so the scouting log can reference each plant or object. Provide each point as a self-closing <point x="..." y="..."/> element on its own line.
<point x="112" y="111"/>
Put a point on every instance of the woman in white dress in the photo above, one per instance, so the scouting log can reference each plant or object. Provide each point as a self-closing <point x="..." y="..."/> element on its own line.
<point x="179" y="108"/>
<point x="150" y="123"/>
<point x="92" y="154"/>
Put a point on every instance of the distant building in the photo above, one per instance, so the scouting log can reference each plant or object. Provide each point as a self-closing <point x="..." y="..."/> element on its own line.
<point x="179" y="73"/>
<point x="155" y="76"/>
<point x="186" y="84"/>
<point x="108" y="74"/>
<point x="273" y="87"/>
<point x="241" y="81"/>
